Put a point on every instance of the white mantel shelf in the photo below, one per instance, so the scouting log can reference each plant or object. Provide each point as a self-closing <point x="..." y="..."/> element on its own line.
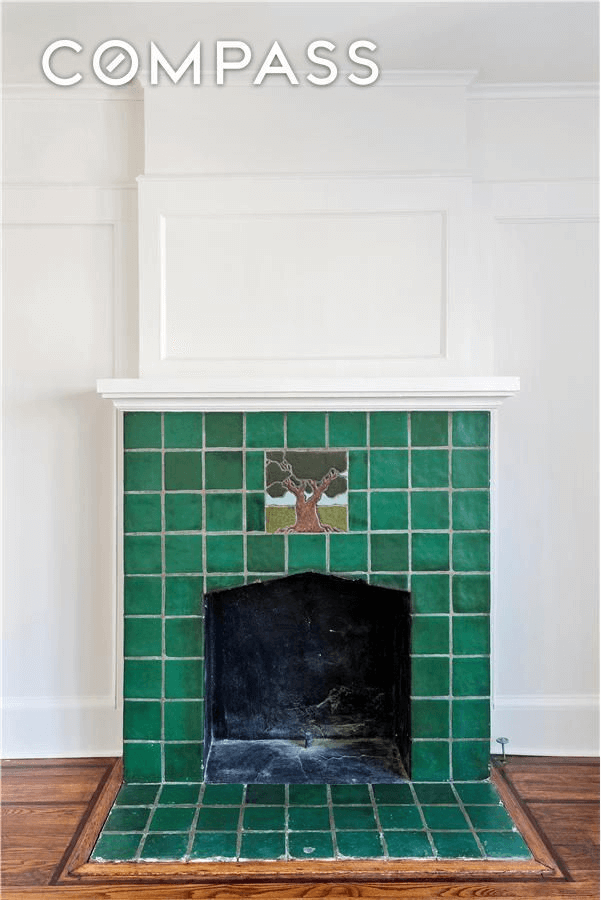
<point x="164" y="394"/>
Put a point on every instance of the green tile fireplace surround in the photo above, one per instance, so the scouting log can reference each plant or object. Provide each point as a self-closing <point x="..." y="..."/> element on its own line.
<point x="416" y="516"/>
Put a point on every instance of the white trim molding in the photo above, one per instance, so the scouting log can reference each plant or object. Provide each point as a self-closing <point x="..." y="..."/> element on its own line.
<point x="249" y="394"/>
<point x="547" y="724"/>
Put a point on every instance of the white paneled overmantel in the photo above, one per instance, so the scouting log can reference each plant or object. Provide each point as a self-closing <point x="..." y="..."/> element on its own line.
<point x="276" y="275"/>
<point x="165" y="394"/>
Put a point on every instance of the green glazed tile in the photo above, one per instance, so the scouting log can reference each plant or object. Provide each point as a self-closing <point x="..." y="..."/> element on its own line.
<point x="388" y="468"/>
<point x="172" y="818"/>
<point x="183" y="762"/>
<point x="481" y="792"/>
<point x="408" y="844"/>
<point x="471" y="635"/>
<point x="430" y="759"/>
<point x="471" y="593"/>
<point x="429" y="468"/>
<point x="127" y="818"/>
<point x="471" y="510"/>
<point x="430" y="593"/>
<point x="429" y="510"/>
<point x="430" y="718"/>
<point x="142" y="596"/>
<point x="223" y="795"/>
<point x="348" y="552"/>
<point x="429" y="429"/>
<point x="470" y="759"/>
<point x="263" y="845"/>
<point x="142" y="472"/>
<point x="183" y="429"/>
<point x="431" y="794"/>
<point x="309" y="818"/>
<point x="117" y="847"/>
<point x="184" y="637"/>
<point x="311" y="845"/>
<point x="399" y="817"/>
<point x="470" y="468"/>
<point x="184" y="679"/>
<point x="355" y="818"/>
<point x="214" y="846"/>
<point x="225" y="553"/>
<point x="490" y="818"/>
<point x="307" y="795"/>
<point x="395" y="581"/>
<point x="165" y="846"/>
<point x="265" y="794"/>
<point x="456" y="845"/>
<point x="471" y="677"/>
<point x="255" y="471"/>
<point x="393" y="793"/>
<point x="430" y="552"/>
<point x="142" y="512"/>
<point x="357" y="470"/>
<point x="344" y="794"/>
<point x="471" y="552"/>
<point x="142" y="678"/>
<point x="179" y="794"/>
<point x="430" y="634"/>
<point x="504" y="845"/>
<point x="306" y="429"/>
<point x="265" y="553"/>
<point x="388" y="429"/>
<point x="183" y="553"/>
<point x="471" y="429"/>
<point x="142" y="637"/>
<point x="223" y="818"/>
<point x="429" y="676"/>
<point x="445" y="818"/>
<point x="141" y="430"/>
<point x="142" y="554"/>
<point x="306" y="553"/>
<point x="265" y="429"/>
<point x="137" y="794"/>
<point x="183" y="512"/>
<point x="219" y="582"/>
<point x="471" y="719"/>
<point x="264" y="818"/>
<point x="224" y="512"/>
<point x="142" y="762"/>
<point x="357" y="505"/>
<point x="223" y="429"/>
<point x="388" y="510"/>
<point x="255" y="512"/>
<point x="223" y="470"/>
<point x="359" y="844"/>
<point x="389" y="552"/>
<point x="183" y="596"/>
<point x="347" y="429"/>
<point x="183" y="471"/>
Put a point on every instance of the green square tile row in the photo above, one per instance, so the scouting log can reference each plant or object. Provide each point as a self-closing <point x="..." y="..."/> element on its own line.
<point x="194" y="520"/>
<point x="234" y="821"/>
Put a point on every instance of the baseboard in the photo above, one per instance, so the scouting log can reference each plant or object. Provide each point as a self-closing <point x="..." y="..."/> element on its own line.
<point x="549" y="725"/>
<point x="60" y="727"/>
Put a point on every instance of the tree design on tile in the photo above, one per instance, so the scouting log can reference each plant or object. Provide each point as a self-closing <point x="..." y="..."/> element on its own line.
<point x="309" y="476"/>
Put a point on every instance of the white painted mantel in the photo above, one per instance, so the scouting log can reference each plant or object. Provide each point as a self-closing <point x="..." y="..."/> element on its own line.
<point x="308" y="394"/>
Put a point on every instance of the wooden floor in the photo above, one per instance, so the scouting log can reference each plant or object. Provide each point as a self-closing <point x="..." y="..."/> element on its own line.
<point x="45" y="804"/>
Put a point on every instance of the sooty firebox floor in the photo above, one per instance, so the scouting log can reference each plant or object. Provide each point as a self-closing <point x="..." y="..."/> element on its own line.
<point x="372" y="761"/>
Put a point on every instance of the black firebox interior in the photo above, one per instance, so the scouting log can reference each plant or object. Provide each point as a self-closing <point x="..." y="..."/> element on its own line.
<point x="307" y="681"/>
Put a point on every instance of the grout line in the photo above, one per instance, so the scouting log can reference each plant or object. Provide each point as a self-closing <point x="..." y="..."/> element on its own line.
<point x="451" y="655"/>
<point x="423" y="818"/>
<point x="378" y="823"/>
<point x="286" y="821"/>
<point x="195" y="821"/>
<point x="146" y="828"/>
<point x="330" y="805"/>
<point x="469" y="821"/>
<point x="163" y="599"/>
<point x="240" y="822"/>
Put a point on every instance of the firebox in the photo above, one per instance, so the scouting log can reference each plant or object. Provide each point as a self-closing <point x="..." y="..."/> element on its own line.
<point x="307" y="681"/>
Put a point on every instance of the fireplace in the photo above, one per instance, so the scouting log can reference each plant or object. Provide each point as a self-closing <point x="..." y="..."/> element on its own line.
<point x="198" y="518"/>
<point x="307" y="681"/>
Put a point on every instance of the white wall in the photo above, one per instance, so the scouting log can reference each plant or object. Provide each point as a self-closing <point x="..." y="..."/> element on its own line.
<point x="513" y="178"/>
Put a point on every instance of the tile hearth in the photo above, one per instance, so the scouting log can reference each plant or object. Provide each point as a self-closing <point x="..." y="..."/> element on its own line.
<point x="190" y="822"/>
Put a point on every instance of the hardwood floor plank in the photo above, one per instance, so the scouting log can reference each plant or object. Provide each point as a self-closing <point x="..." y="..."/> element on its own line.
<point x="547" y="780"/>
<point x="76" y="784"/>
